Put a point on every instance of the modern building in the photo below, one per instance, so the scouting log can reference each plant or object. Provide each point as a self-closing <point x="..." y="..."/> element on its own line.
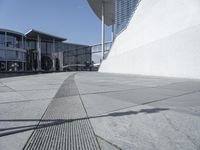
<point x="42" y="49"/>
<point x="12" y="51"/>
<point x="159" y="37"/>
<point x="39" y="51"/>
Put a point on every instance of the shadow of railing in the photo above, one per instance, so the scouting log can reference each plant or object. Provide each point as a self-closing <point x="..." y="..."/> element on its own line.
<point x="44" y="123"/>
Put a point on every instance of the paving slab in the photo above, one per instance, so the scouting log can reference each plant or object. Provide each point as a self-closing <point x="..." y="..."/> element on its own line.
<point x="15" y="119"/>
<point x="5" y="89"/>
<point x="186" y="104"/>
<point x="190" y="86"/>
<point x="38" y="94"/>
<point x="30" y="85"/>
<point x="154" y="120"/>
<point x="96" y="104"/>
<point x="126" y="80"/>
<point x="35" y="82"/>
<point x="22" y="108"/>
<point x="6" y="97"/>
<point x="90" y="110"/>
<point x="106" y="145"/>
<point x="149" y="128"/>
<point x="146" y="95"/>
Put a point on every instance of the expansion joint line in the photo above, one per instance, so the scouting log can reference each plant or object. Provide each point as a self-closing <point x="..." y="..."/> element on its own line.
<point x="86" y="111"/>
<point x="37" y="126"/>
<point x="109" y="142"/>
<point x="178" y="130"/>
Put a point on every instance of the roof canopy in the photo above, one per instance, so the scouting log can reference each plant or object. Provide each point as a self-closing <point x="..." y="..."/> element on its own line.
<point x="11" y="32"/>
<point x="109" y="10"/>
<point x="44" y="36"/>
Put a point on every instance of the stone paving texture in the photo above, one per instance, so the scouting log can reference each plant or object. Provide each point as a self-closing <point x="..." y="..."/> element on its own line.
<point x="90" y="110"/>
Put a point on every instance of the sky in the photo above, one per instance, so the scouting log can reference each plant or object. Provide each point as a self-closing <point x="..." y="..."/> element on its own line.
<point x="71" y="19"/>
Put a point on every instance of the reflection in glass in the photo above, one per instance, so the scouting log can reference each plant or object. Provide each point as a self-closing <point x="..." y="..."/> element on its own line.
<point x="2" y="54"/>
<point x="14" y="41"/>
<point x="2" y="39"/>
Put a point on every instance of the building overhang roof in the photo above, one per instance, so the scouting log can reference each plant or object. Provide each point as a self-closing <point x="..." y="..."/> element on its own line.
<point x="109" y="10"/>
<point x="32" y="34"/>
<point x="12" y="32"/>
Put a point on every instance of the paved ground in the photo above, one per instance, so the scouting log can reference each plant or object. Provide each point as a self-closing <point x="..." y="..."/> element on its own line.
<point x="99" y="111"/>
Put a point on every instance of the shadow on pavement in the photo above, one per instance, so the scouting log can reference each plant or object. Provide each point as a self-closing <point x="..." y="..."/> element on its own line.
<point x="154" y="110"/>
<point x="44" y="123"/>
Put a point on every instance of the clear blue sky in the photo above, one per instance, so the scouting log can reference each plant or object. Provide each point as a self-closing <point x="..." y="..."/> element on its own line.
<point x="71" y="19"/>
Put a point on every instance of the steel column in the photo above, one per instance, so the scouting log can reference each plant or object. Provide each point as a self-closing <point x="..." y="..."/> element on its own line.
<point x="103" y="30"/>
<point x="5" y="45"/>
<point x="112" y="33"/>
<point x="39" y="52"/>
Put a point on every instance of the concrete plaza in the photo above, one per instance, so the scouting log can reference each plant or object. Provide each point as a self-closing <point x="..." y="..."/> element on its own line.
<point x="90" y="110"/>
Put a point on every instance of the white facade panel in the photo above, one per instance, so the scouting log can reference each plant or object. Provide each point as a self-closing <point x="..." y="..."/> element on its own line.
<point x="162" y="39"/>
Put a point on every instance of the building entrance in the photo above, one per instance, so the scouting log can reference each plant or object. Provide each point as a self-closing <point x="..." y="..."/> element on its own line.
<point x="46" y="63"/>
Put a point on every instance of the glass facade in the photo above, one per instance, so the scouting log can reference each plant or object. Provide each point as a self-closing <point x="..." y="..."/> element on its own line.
<point x="2" y="39"/>
<point x="97" y="52"/>
<point x="12" y="55"/>
<point x="2" y="54"/>
<point x="12" y="52"/>
<point x="19" y="53"/>
<point x="60" y="47"/>
<point x="72" y="54"/>
<point x="46" y="48"/>
<point x="31" y="45"/>
<point x="77" y="57"/>
<point x="123" y="13"/>
<point x="14" y="41"/>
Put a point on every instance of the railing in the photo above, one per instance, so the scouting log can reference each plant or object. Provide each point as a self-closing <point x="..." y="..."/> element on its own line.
<point x="84" y="58"/>
<point x="97" y="52"/>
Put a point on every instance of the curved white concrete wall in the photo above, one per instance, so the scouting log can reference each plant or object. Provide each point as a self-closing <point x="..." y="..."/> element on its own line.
<point x="162" y="39"/>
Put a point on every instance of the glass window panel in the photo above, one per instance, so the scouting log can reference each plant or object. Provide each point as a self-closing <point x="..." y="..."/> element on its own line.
<point x="43" y="47"/>
<point x="2" y="55"/>
<point x="124" y="11"/>
<point x="49" y="48"/>
<point x="2" y="39"/>
<point x="18" y="42"/>
<point x="31" y="44"/>
<point x="11" y="55"/>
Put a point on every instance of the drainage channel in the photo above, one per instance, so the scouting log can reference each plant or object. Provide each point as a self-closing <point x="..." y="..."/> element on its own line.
<point x="64" y="126"/>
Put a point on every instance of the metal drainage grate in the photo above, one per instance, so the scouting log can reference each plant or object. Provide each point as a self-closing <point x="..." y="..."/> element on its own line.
<point x="64" y="125"/>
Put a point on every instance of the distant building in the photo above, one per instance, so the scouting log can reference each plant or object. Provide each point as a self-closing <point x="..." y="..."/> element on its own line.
<point x="39" y="51"/>
<point x="12" y="51"/>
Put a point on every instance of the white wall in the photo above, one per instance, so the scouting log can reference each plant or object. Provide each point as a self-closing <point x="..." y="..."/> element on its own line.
<point x="163" y="39"/>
